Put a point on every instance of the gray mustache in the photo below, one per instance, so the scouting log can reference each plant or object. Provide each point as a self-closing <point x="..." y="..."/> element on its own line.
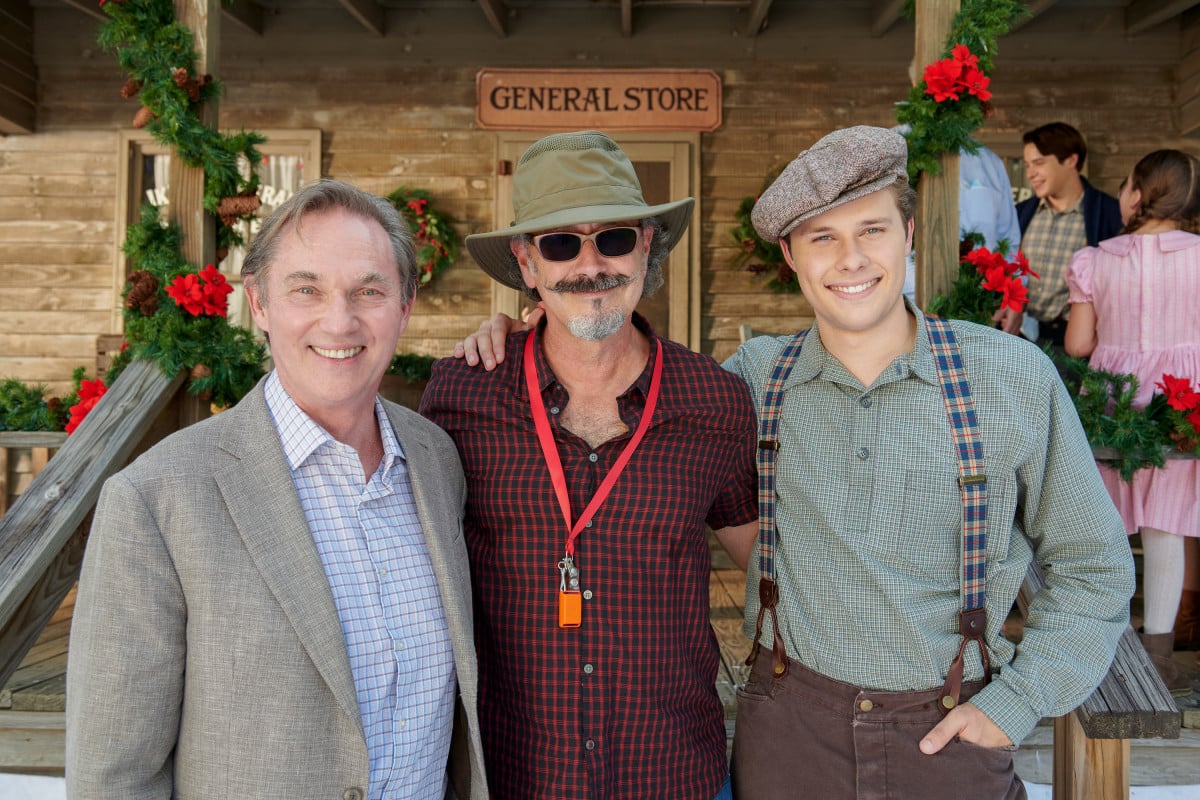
<point x="599" y="283"/>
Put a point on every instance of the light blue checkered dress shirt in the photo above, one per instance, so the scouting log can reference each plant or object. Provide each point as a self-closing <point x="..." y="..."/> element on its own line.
<point x="371" y="544"/>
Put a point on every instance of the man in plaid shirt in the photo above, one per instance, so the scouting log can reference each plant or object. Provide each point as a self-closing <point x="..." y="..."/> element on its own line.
<point x="595" y="456"/>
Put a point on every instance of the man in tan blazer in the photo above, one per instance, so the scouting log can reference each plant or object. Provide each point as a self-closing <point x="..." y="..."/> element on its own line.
<point x="275" y="602"/>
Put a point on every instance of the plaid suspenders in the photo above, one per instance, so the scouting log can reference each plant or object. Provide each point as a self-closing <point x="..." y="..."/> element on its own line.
<point x="960" y="411"/>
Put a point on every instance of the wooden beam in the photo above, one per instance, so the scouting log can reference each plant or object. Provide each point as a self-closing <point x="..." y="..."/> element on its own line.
<point x="1035" y="8"/>
<point x="627" y="18"/>
<point x="185" y="185"/>
<point x="246" y="14"/>
<point x="937" y="195"/>
<point x="43" y="520"/>
<point x="757" y="16"/>
<point x="495" y="11"/>
<point x="885" y="14"/>
<point x="368" y="13"/>
<point x="17" y="114"/>
<point x="87" y="7"/>
<point x="1141" y="15"/>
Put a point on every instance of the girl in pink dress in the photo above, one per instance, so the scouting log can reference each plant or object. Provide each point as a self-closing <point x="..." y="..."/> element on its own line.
<point x="1135" y="308"/>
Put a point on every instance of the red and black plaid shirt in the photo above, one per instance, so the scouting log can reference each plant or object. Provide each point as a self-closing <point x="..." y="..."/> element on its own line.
<point x="625" y="705"/>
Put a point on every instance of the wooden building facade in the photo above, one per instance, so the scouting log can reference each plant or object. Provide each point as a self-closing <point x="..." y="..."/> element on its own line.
<point x="382" y="93"/>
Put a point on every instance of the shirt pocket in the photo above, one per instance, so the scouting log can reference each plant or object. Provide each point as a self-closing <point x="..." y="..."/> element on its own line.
<point x="927" y="542"/>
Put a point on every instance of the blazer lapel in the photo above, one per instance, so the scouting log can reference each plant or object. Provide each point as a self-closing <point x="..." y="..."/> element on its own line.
<point x="262" y="500"/>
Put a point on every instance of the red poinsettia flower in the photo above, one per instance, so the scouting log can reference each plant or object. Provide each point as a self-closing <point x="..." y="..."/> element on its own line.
<point x="976" y="83"/>
<point x="1180" y="394"/>
<point x="1194" y="418"/>
<point x="216" y="291"/>
<point x="188" y="293"/>
<point x="90" y="393"/>
<point x="1014" y="295"/>
<point x="942" y="78"/>
<point x="962" y="54"/>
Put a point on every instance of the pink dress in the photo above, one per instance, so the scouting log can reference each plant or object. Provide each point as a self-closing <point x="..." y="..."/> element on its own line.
<point x="1146" y="292"/>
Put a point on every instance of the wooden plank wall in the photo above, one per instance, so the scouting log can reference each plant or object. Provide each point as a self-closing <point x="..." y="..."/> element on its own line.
<point x="400" y="109"/>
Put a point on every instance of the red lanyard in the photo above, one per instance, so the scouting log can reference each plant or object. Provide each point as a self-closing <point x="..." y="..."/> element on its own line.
<point x="550" y="449"/>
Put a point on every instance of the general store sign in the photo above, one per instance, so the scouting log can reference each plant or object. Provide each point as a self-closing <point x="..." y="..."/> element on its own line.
<point x="611" y="100"/>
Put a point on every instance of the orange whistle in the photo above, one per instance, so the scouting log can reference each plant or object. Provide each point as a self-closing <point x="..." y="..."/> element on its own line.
<point x="570" y="608"/>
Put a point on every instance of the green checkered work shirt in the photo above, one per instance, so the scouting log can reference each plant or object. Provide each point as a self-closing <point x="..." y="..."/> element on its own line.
<point x="869" y="520"/>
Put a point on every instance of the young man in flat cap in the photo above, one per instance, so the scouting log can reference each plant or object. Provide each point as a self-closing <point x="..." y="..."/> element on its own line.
<point x="594" y="458"/>
<point x="914" y="468"/>
<point x="917" y="467"/>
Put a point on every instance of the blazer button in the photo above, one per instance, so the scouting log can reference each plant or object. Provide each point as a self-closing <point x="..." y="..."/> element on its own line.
<point x="353" y="793"/>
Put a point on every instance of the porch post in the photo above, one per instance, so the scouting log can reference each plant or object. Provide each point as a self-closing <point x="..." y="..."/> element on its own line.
<point x="185" y="189"/>
<point x="936" y="240"/>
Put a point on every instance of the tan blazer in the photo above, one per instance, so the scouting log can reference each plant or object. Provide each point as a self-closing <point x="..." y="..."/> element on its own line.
<point x="206" y="656"/>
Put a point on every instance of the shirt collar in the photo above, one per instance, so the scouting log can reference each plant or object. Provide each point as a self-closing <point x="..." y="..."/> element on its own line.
<point x="301" y="436"/>
<point x="1168" y="241"/>
<point x="547" y="379"/>
<point x="814" y="359"/>
<point x="1044" y="205"/>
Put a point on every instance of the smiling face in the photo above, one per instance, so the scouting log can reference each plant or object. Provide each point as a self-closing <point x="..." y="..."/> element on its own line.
<point x="850" y="265"/>
<point x="1050" y="177"/>
<point x="333" y="305"/>
<point x="593" y="296"/>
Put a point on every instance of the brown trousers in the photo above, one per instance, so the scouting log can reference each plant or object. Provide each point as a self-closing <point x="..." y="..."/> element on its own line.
<point x="809" y="736"/>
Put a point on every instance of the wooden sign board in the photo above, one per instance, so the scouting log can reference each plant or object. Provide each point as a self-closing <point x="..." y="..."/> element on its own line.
<point x="610" y="100"/>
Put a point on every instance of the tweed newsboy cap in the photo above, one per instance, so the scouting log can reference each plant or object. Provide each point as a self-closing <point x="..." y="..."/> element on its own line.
<point x="845" y="165"/>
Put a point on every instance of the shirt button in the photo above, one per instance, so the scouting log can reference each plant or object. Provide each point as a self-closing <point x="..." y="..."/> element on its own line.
<point x="866" y="705"/>
<point x="865" y="402"/>
<point x="588" y="669"/>
<point x="399" y="645"/>
<point x="401" y="724"/>
<point x="554" y="409"/>
<point x="353" y="793"/>
<point x="587" y="594"/>
<point x="587" y="524"/>
<point x="590" y="744"/>
<point x="864" y="453"/>
<point x="593" y="457"/>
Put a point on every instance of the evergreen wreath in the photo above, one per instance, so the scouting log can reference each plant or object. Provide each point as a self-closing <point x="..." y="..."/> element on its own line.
<point x="433" y="234"/>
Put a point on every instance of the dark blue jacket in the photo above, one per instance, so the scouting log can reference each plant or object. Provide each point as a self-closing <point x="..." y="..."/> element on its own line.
<point x="1101" y="214"/>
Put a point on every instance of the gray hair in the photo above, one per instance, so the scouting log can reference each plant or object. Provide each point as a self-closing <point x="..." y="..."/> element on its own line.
<point x="324" y="195"/>
<point x="654" y="259"/>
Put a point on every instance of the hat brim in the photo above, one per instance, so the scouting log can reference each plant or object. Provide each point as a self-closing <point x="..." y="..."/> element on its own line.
<point x="491" y="250"/>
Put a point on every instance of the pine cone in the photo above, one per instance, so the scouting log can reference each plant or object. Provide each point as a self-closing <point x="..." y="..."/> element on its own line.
<point x="222" y="252"/>
<point x="142" y="117"/>
<point x="187" y="83"/>
<point x="200" y="371"/>
<point x="131" y="87"/>
<point x="231" y="209"/>
<point x="53" y="404"/>
<point x="143" y="293"/>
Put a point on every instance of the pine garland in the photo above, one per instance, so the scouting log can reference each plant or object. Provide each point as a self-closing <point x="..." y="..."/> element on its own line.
<point x="156" y="52"/>
<point x="433" y="232"/>
<point x="224" y="360"/>
<point x="935" y="128"/>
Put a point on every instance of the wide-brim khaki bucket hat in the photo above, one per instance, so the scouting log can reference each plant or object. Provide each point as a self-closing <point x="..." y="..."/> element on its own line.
<point x="572" y="179"/>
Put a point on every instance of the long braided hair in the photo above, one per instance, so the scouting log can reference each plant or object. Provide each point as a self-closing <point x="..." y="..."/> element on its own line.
<point x="1168" y="181"/>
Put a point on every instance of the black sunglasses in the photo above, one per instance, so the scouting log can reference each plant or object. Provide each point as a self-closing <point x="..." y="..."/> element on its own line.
<point x="610" y="242"/>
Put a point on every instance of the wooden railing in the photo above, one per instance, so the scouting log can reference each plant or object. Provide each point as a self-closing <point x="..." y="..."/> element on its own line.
<point x="1092" y="743"/>
<point x="42" y="535"/>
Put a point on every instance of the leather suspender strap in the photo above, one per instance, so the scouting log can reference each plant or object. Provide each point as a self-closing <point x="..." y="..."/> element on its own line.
<point x="964" y="428"/>
<point x="768" y="448"/>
